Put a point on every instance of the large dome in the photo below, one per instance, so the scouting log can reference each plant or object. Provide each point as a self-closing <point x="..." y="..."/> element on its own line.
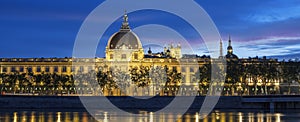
<point x="125" y="38"/>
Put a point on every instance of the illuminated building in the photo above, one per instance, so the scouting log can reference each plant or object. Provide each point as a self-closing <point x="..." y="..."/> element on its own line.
<point x="125" y="51"/>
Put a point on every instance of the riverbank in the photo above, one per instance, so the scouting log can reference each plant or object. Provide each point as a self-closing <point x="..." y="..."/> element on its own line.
<point x="267" y="103"/>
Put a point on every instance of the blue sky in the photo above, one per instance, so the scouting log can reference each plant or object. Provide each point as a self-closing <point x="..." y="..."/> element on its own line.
<point x="35" y="28"/>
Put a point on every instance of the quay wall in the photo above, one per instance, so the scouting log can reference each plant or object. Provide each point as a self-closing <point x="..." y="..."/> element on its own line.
<point x="74" y="102"/>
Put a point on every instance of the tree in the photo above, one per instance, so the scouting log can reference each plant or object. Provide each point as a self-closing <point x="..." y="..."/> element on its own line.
<point x="232" y="74"/>
<point x="290" y="73"/>
<point x="140" y="76"/>
<point x="204" y="76"/>
<point x="106" y="82"/>
<point x="158" y="77"/>
<point x="173" y="81"/>
<point x="122" y="80"/>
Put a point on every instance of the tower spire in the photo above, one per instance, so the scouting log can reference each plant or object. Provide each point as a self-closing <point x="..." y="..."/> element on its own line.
<point x="229" y="41"/>
<point x="221" y="49"/>
<point x="125" y="24"/>
<point x="229" y="48"/>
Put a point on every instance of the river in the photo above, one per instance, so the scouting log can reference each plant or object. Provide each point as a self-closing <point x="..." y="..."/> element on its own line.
<point x="83" y="116"/>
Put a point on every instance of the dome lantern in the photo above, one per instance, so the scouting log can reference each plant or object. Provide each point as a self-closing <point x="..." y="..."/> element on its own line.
<point x="124" y="37"/>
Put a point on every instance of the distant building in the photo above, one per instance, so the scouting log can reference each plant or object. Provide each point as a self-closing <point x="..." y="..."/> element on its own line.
<point x="230" y="54"/>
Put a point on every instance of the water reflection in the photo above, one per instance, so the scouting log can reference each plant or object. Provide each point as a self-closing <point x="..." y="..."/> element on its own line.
<point x="217" y="116"/>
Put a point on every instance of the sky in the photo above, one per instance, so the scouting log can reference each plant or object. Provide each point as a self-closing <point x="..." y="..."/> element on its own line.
<point x="35" y="28"/>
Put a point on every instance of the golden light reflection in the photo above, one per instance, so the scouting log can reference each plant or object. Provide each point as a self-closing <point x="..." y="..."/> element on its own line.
<point x="213" y="116"/>
<point x="260" y="117"/>
<point x="217" y="116"/>
<point x="151" y="117"/>
<point x="105" y="117"/>
<point x="269" y="117"/>
<point x="24" y="117"/>
<point x="75" y="117"/>
<point x="7" y="118"/>
<point x="240" y="117"/>
<point x="170" y="118"/>
<point x="144" y="117"/>
<point x="223" y="117"/>
<point x="196" y="117"/>
<point x="231" y="117"/>
<point x="50" y="117"/>
<point x="187" y="118"/>
<point x="15" y="117"/>
<point x="84" y="117"/>
<point x="278" y="117"/>
<point x="179" y="118"/>
<point x="32" y="118"/>
<point x="205" y="119"/>
<point x="41" y="117"/>
<point x="251" y="117"/>
<point x="67" y="117"/>
<point x="58" y="117"/>
<point x="161" y="117"/>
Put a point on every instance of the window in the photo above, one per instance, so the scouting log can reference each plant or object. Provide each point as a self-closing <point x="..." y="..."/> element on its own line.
<point x="56" y="69"/>
<point x="38" y="69"/>
<point x="135" y="56"/>
<point x="193" y="78"/>
<point x="111" y="56"/>
<point x="174" y="68"/>
<point x="183" y="78"/>
<point x="81" y="69"/>
<point x="13" y="69"/>
<point x="21" y="69"/>
<point x="100" y="68"/>
<point x="123" y="56"/>
<point x="64" y="69"/>
<point x="29" y="69"/>
<point x="73" y="69"/>
<point x="47" y="69"/>
<point x="4" y="69"/>
<point x="183" y="69"/>
<point x="191" y="69"/>
<point x="90" y="68"/>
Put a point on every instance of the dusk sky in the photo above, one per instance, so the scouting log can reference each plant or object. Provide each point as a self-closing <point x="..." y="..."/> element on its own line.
<point x="32" y="28"/>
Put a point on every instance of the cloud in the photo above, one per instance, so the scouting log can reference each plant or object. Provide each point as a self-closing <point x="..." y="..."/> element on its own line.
<point x="253" y="19"/>
<point x="274" y="14"/>
<point x="272" y="46"/>
<point x="290" y="56"/>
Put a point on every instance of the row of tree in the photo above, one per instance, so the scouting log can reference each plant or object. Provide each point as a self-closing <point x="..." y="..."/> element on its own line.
<point x="244" y="78"/>
<point x="263" y="77"/>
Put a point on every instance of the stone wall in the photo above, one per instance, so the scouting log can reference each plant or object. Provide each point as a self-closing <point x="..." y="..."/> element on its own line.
<point x="74" y="102"/>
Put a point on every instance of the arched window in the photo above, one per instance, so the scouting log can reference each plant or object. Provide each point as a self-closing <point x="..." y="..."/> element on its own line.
<point x="29" y="69"/>
<point x="55" y="68"/>
<point x="47" y="69"/>
<point x="38" y="69"/>
<point x="13" y="69"/>
<point x="21" y="69"/>
<point x="123" y="56"/>
<point x="135" y="56"/>
<point x="64" y="69"/>
<point x="111" y="56"/>
<point x="4" y="69"/>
